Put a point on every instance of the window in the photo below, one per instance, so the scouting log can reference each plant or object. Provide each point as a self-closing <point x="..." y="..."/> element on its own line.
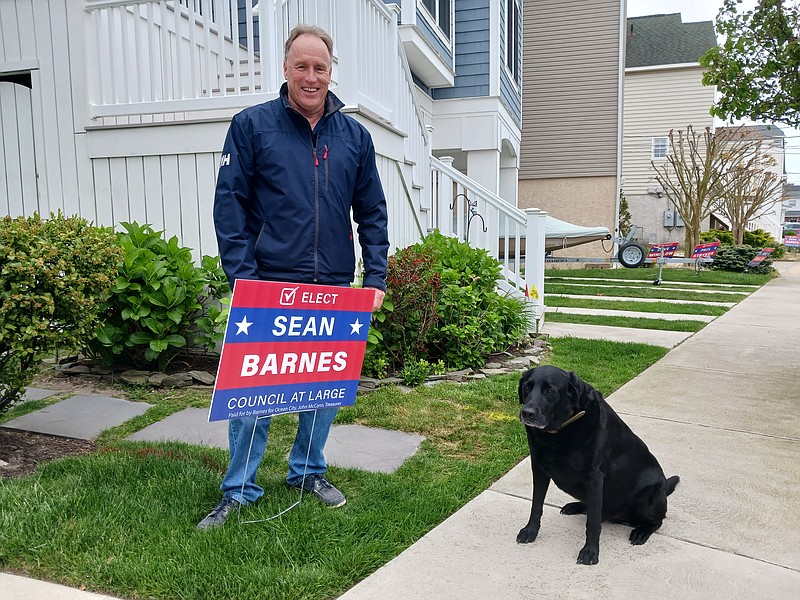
<point x="659" y="147"/>
<point x="513" y="38"/>
<point x="440" y="11"/>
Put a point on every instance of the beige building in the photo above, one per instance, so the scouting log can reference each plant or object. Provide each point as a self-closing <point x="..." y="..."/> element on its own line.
<point x="663" y="92"/>
<point x="571" y="92"/>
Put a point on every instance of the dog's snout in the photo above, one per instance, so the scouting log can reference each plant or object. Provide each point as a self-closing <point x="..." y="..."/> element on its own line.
<point x="533" y="417"/>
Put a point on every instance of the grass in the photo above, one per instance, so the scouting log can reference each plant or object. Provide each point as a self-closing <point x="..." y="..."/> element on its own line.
<point x="655" y="293"/>
<point x="653" y="307"/>
<point x="636" y="322"/>
<point x="667" y="274"/>
<point x="616" y="283"/>
<point x="122" y="520"/>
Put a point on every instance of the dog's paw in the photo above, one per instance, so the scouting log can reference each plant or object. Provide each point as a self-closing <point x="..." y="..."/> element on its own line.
<point x="527" y="534"/>
<point x="573" y="508"/>
<point x="640" y="535"/>
<point x="588" y="556"/>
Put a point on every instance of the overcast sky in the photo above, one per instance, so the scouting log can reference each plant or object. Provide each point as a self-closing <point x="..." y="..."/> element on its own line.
<point x="706" y="10"/>
<point x="691" y="10"/>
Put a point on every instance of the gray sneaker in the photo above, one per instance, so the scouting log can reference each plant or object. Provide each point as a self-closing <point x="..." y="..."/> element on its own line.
<point x="218" y="514"/>
<point x="323" y="489"/>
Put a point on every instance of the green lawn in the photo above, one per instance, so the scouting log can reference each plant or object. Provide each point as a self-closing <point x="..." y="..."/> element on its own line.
<point x="122" y="520"/>
<point x="652" y="292"/>
<point x="636" y="322"/>
<point x="667" y="274"/>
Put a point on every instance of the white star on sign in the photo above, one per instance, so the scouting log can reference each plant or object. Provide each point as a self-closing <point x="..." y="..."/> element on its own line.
<point x="243" y="325"/>
<point x="355" y="327"/>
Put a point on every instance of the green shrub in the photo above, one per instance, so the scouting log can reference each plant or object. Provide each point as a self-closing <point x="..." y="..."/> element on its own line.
<point x="445" y="307"/>
<point x="757" y="238"/>
<point x="736" y="258"/>
<point x="161" y="302"/>
<point x="55" y="275"/>
<point x="415" y="371"/>
<point x="725" y="237"/>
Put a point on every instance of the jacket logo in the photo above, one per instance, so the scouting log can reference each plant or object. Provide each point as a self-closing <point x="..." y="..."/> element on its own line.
<point x="225" y="160"/>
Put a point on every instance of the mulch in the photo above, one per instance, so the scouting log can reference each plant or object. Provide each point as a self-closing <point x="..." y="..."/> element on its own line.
<point x="22" y="451"/>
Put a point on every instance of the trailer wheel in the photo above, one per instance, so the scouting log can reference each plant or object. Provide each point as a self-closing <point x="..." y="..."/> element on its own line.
<point x="631" y="255"/>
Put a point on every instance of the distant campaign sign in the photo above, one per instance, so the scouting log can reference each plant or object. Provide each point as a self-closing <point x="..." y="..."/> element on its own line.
<point x="792" y="241"/>
<point x="290" y="348"/>
<point x="669" y="249"/>
<point x="705" y="250"/>
<point x="759" y="258"/>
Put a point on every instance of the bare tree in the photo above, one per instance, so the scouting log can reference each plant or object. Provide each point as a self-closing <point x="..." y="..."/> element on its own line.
<point x="749" y="190"/>
<point x="691" y="175"/>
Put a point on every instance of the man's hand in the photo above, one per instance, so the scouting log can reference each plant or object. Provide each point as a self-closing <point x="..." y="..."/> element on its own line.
<point x="377" y="301"/>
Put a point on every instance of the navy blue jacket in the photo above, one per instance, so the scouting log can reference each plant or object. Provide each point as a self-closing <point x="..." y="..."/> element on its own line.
<point x="284" y="195"/>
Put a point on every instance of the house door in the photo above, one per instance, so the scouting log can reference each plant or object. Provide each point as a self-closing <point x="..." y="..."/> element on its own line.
<point x="19" y="193"/>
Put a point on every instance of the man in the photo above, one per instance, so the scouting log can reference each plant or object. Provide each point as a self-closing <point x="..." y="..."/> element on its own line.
<point x="291" y="171"/>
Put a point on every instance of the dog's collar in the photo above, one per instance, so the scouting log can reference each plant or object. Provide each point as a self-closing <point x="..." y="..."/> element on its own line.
<point x="569" y="421"/>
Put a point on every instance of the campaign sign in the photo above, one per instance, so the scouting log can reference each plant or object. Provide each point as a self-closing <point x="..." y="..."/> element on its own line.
<point x="792" y="241"/>
<point x="758" y="258"/>
<point x="290" y="347"/>
<point x="705" y="250"/>
<point x="669" y="250"/>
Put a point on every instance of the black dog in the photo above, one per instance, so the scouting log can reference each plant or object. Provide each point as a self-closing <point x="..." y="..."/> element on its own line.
<point x="577" y="440"/>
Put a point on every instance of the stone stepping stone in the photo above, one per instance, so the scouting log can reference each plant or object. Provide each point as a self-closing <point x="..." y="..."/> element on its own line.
<point x="37" y="394"/>
<point x="189" y="425"/>
<point x="370" y="448"/>
<point x="81" y="417"/>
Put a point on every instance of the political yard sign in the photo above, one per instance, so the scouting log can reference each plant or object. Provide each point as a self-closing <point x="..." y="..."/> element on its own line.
<point x="290" y="348"/>
<point x="668" y="248"/>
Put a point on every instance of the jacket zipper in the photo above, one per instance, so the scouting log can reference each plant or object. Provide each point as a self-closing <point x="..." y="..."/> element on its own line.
<point x="316" y="208"/>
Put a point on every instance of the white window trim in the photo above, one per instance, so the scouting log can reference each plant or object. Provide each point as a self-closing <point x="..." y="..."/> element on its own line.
<point x="434" y="24"/>
<point x="653" y="148"/>
<point x="509" y="72"/>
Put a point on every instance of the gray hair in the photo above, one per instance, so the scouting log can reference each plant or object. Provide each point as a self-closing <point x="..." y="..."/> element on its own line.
<point x="314" y="30"/>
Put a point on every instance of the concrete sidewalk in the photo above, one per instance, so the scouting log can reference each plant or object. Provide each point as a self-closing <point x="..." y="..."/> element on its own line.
<point x="720" y="410"/>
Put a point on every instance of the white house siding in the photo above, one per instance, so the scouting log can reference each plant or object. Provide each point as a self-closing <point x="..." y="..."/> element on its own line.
<point x="657" y="100"/>
<point x="18" y="168"/>
<point x="570" y="106"/>
<point x="35" y="41"/>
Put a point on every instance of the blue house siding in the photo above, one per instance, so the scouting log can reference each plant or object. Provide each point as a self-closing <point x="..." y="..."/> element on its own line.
<point x="472" y="52"/>
<point x="433" y="38"/>
<point x="510" y="91"/>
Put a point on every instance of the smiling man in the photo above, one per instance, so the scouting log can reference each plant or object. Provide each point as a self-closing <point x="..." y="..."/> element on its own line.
<point x="292" y="173"/>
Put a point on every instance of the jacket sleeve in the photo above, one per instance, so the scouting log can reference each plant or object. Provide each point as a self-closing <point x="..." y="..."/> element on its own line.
<point x="233" y="205"/>
<point x="369" y="213"/>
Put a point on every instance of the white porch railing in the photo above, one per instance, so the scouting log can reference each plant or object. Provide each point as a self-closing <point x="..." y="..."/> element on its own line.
<point x="464" y="209"/>
<point x="175" y="57"/>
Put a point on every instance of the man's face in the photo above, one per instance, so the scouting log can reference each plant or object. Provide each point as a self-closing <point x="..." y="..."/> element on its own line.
<point x="307" y="69"/>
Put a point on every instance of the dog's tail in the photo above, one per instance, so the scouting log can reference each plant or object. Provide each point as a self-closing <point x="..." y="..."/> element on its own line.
<point x="671" y="483"/>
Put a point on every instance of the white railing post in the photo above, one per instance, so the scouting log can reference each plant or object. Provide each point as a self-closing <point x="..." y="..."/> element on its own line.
<point x="534" y="261"/>
<point x="444" y="214"/>
<point x="346" y="43"/>
<point x="271" y="38"/>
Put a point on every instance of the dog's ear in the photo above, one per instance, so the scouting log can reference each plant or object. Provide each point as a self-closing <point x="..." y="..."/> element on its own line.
<point x="577" y="385"/>
<point x="586" y="394"/>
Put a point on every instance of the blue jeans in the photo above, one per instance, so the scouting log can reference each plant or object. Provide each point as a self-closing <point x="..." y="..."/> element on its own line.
<point x="239" y="482"/>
